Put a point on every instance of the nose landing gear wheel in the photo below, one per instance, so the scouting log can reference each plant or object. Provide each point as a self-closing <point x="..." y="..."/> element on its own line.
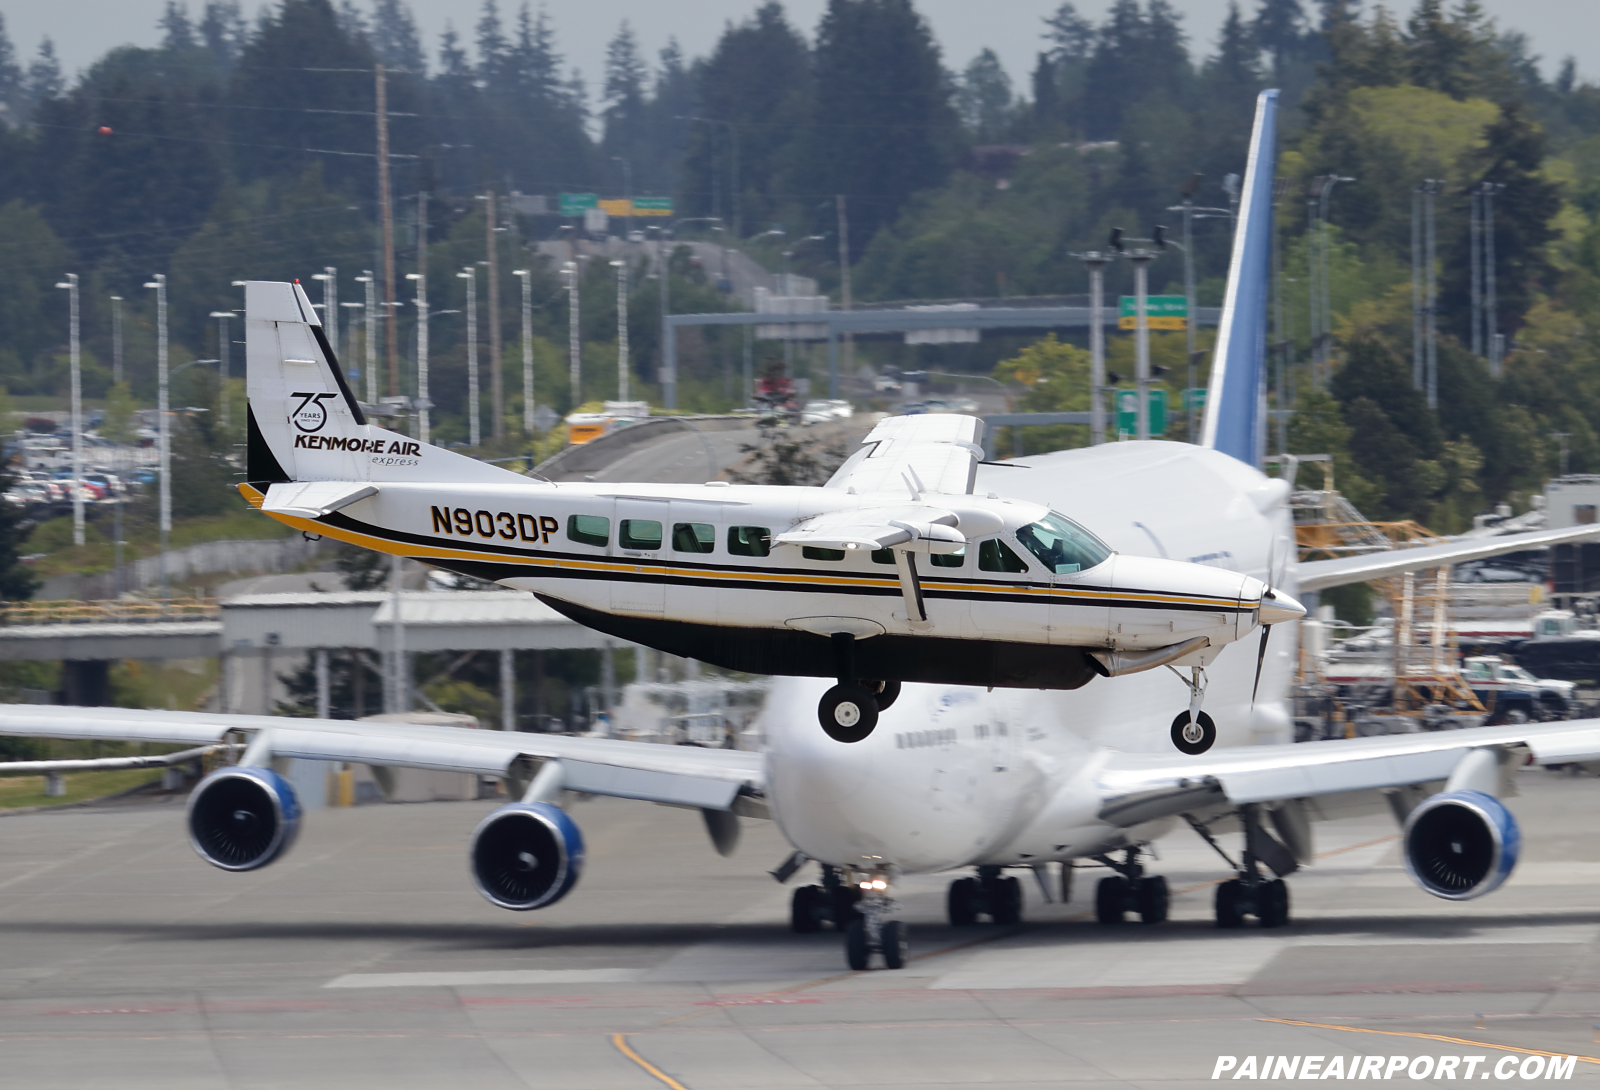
<point x="895" y="944"/>
<point x="856" y="952"/>
<point x="848" y="712"/>
<point x="1193" y="737"/>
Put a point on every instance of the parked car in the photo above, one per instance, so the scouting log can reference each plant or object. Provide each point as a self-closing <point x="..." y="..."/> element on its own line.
<point x="1515" y="695"/>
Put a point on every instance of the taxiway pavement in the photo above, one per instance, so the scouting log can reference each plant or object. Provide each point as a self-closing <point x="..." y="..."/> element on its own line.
<point x="366" y="959"/>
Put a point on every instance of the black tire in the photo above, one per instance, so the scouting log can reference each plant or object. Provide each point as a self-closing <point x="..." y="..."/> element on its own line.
<point x="804" y="919"/>
<point x="848" y="712"/>
<point x="1227" y="904"/>
<point x="1153" y="899"/>
<point x="1274" y="904"/>
<point x="962" y="902"/>
<point x="896" y="941"/>
<point x="855" y="944"/>
<point x="888" y="695"/>
<point x="1111" y="899"/>
<point x="842" y="905"/>
<point x="1005" y="901"/>
<point x="1193" y="740"/>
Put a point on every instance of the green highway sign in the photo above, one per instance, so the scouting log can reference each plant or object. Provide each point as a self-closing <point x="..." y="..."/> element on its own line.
<point x="576" y="204"/>
<point x="1164" y="311"/>
<point x="1128" y="412"/>
<point x="1194" y="400"/>
<point x="652" y="206"/>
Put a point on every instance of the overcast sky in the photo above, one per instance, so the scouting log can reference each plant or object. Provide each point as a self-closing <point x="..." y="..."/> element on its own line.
<point x="84" y="29"/>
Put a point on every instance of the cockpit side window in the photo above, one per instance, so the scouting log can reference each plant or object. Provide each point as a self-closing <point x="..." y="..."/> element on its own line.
<point x="1061" y="545"/>
<point x="995" y="555"/>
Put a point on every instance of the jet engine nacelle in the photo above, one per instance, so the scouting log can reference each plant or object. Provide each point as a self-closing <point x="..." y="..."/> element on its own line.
<point x="526" y="855"/>
<point x="1460" y="844"/>
<point x="241" y="818"/>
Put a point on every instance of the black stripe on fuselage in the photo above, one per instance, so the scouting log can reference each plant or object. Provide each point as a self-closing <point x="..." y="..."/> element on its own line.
<point x="725" y="576"/>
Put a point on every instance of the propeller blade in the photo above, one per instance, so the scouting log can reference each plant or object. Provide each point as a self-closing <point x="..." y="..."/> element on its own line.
<point x="1261" y="657"/>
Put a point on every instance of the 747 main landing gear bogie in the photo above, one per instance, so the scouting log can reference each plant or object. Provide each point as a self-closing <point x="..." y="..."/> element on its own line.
<point x="987" y="894"/>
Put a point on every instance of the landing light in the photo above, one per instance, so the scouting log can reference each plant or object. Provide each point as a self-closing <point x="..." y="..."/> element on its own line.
<point x="879" y="883"/>
<point x="866" y="885"/>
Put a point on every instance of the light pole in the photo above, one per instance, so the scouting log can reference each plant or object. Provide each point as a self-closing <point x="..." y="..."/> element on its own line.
<point x="1327" y="273"/>
<point x="330" y="305"/>
<point x="1494" y="342"/>
<point x="71" y="286"/>
<point x="470" y="275"/>
<point x="222" y="317"/>
<point x="1095" y="262"/>
<point x="116" y="340"/>
<point x="622" y="329"/>
<point x="371" y="334"/>
<point x="164" y="424"/>
<point x="526" y="276"/>
<point x="423" y="403"/>
<point x="1190" y="213"/>
<point x="1431" y="188"/>
<point x="354" y="317"/>
<point x="1418" y="352"/>
<point x="1141" y="337"/>
<point x="574" y="357"/>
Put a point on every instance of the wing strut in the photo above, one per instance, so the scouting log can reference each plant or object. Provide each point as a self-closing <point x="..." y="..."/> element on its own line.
<point x="906" y="565"/>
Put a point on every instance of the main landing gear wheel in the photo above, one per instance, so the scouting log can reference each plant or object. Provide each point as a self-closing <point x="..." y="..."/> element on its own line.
<point x="962" y="902"/>
<point x="1111" y="900"/>
<point x="805" y="910"/>
<point x="1269" y="903"/>
<point x="848" y="712"/>
<point x="1191" y="736"/>
<point x="1152" y="899"/>
<point x="888" y="692"/>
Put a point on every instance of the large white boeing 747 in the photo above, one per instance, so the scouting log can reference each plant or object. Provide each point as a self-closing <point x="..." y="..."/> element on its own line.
<point x="1006" y="749"/>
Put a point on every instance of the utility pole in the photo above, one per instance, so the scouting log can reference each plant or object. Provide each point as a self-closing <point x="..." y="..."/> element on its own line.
<point x="1418" y="352"/>
<point x="371" y="324"/>
<point x="844" y="285"/>
<point x="1279" y="189"/>
<point x="164" y="425"/>
<point x="1189" y="322"/>
<point x="1095" y="262"/>
<point x="222" y="317"/>
<point x="497" y="378"/>
<point x="474" y="432"/>
<point x="386" y="213"/>
<point x="1313" y="292"/>
<point x="1491" y="304"/>
<point x="526" y="276"/>
<point x="330" y="305"/>
<point x="622" y="328"/>
<point x="574" y="356"/>
<point x="71" y="286"/>
<point x="1475" y="246"/>
<point x="422" y="404"/>
<point x="1430" y="248"/>
<point x="1327" y="276"/>
<point x="116" y="340"/>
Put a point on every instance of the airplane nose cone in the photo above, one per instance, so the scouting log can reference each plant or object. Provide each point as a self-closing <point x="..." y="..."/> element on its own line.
<point x="1278" y="608"/>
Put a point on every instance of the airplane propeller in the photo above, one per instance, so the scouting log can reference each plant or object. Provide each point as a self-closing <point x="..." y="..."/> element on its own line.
<point x="1283" y="608"/>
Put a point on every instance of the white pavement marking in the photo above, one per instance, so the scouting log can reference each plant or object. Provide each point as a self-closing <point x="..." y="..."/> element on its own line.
<point x="469" y="979"/>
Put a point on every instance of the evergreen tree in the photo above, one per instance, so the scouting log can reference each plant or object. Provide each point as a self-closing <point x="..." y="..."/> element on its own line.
<point x="623" y="96"/>
<point x="1442" y="50"/>
<point x="223" y="31"/>
<point x="394" y="36"/>
<point x="756" y="85"/>
<point x="984" y="98"/>
<point x="666" y="130"/>
<point x="352" y="21"/>
<point x="13" y="88"/>
<point x="883" y="126"/>
<point x="1232" y="77"/>
<point x="44" y="80"/>
<point x="453" y="62"/>
<point x="1279" y="30"/>
<point x="177" y="31"/>
<point x="494" y="49"/>
<point x="1139" y="56"/>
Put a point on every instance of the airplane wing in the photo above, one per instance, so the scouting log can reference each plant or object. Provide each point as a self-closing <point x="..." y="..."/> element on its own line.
<point x="1139" y="787"/>
<point x="714" y="779"/>
<point x="1322" y="574"/>
<point x="937" y="452"/>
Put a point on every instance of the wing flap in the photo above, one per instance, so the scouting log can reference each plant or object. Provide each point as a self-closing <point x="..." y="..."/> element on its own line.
<point x="878" y="528"/>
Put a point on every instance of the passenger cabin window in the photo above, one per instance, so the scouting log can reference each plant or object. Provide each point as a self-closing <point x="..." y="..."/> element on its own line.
<point x="1062" y="546"/>
<point x="589" y="530"/>
<point x="749" y="540"/>
<point x="883" y="556"/>
<point x="949" y="560"/>
<point x="995" y="555"/>
<point x="694" y="537"/>
<point x="811" y="552"/>
<point x="641" y="534"/>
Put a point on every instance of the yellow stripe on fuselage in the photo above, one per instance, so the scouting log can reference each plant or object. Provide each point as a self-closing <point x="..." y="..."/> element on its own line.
<point x="613" y="565"/>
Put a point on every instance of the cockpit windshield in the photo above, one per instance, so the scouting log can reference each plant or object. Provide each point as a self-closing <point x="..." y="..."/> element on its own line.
<point x="1061" y="545"/>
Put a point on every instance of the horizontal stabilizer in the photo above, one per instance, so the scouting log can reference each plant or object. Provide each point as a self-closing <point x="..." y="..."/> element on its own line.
<point x="313" y="499"/>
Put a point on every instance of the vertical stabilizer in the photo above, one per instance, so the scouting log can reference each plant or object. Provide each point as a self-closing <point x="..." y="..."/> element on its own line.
<point x="305" y="423"/>
<point x="1236" y="401"/>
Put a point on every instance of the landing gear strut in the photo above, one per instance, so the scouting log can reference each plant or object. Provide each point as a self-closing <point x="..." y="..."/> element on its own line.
<point x="1251" y="893"/>
<point x="849" y="710"/>
<point x="988" y="894"/>
<point x="872" y="932"/>
<point x="1193" y="731"/>
<point x="1130" y="890"/>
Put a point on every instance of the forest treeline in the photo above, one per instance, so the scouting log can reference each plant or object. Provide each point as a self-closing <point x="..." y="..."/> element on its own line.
<point x="243" y="149"/>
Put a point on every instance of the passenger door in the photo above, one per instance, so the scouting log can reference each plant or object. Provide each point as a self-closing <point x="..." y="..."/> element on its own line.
<point x="638" y="542"/>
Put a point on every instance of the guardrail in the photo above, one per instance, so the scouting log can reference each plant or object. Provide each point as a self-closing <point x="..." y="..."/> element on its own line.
<point x="113" y="611"/>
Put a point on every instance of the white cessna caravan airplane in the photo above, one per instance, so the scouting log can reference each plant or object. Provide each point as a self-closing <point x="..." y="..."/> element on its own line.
<point x="1003" y="749"/>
